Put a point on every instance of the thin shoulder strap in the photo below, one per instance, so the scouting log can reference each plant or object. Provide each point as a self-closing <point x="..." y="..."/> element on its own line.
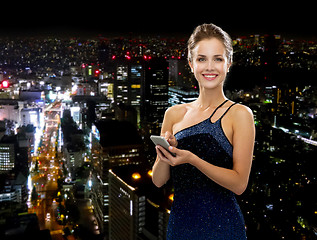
<point x="227" y="110"/>
<point x="218" y="108"/>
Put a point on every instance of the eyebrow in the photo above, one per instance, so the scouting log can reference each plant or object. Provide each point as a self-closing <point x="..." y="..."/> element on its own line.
<point x="217" y="55"/>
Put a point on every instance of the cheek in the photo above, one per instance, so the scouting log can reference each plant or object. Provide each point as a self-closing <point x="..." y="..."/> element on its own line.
<point x="196" y="72"/>
<point x="197" y="68"/>
<point x="223" y="68"/>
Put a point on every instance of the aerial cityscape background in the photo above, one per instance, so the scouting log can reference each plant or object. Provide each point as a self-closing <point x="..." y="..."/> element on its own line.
<point x="80" y="95"/>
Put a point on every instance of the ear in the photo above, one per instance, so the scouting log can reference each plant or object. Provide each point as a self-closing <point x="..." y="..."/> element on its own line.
<point x="191" y="66"/>
<point x="229" y="66"/>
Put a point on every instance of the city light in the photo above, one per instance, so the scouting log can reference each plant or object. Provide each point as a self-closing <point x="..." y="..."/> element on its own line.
<point x="136" y="176"/>
<point x="171" y="197"/>
<point x="5" y="84"/>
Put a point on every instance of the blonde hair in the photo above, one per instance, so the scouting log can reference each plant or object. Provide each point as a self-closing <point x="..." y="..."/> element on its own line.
<point x="207" y="31"/>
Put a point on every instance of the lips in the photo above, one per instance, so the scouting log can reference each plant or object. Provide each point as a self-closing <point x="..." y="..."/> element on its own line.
<point x="210" y="77"/>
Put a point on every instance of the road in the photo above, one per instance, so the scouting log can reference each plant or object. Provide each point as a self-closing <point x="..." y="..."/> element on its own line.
<point x="45" y="174"/>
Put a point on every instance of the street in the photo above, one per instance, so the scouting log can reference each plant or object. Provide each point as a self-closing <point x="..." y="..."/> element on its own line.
<point x="45" y="172"/>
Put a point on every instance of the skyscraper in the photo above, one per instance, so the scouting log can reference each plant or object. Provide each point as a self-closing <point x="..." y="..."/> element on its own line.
<point x="8" y="149"/>
<point x="114" y="143"/>
<point x="142" y="83"/>
<point x="137" y="209"/>
<point x="155" y="90"/>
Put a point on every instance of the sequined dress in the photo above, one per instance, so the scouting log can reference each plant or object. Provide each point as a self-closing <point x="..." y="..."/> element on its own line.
<point x="202" y="209"/>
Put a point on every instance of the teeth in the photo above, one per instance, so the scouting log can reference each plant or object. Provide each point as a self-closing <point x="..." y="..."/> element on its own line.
<point x="210" y="76"/>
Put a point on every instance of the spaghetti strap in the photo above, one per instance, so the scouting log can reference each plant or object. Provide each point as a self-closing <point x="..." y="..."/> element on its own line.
<point x="227" y="110"/>
<point x="218" y="108"/>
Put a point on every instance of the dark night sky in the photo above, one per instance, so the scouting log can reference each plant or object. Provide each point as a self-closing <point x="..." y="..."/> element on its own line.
<point x="160" y="18"/>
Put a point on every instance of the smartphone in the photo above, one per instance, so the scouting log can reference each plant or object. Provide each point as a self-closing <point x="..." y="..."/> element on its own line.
<point x="158" y="140"/>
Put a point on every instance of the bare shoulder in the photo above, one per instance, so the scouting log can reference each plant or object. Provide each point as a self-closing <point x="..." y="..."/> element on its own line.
<point x="176" y="112"/>
<point x="242" y="114"/>
<point x="173" y="115"/>
<point x="242" y="109"/>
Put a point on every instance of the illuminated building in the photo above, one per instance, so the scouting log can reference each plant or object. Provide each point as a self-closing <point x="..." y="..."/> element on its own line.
<point x="14" y="190"/>
<point x="9" y="109"/>
<point x="180" y="96"/>
<point x="7" y="156"/>
<point x="30" y="116"/>
<point x="114" y="143"/>
<point x="155" y="90"/>
<point x="142" y="82"/>
<point x="127" y="86"/>
<point x="27" y="110"/>
<point x="137" y="209"/>
<point x="180" y="73"/>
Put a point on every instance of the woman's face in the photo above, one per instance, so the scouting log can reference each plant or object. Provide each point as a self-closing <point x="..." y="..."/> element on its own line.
<point x="209" y="63"/>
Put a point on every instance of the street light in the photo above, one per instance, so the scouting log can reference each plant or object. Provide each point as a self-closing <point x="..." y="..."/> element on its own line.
<point x="136" y="176"/>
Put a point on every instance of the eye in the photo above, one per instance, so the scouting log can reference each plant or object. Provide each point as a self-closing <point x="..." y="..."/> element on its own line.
<point x="218" y="59"/>
<point x="201" y="59"/>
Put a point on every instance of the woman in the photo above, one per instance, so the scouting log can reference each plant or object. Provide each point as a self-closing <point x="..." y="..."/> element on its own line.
<point x="213" y="139"/>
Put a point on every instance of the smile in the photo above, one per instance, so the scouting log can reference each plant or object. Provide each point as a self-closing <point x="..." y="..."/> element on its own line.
<point x="210" y="76"/>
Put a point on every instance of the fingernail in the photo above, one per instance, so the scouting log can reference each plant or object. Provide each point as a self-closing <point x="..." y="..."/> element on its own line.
<point x="171" y="148"/>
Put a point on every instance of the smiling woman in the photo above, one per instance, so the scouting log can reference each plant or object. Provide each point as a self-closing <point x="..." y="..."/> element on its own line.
<point x="212" y="141"/>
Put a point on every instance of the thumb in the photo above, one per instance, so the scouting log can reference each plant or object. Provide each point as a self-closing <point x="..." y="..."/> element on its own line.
<point x="173" y="149"/>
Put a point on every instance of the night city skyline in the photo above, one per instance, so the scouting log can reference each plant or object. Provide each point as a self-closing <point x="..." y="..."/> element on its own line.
<point x="83" y="87"/>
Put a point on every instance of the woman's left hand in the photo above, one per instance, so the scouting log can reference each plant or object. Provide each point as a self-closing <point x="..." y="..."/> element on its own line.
<point x="182" y="156"/>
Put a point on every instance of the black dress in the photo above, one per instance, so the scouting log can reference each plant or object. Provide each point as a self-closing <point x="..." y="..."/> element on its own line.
<point x="202" y="209"/>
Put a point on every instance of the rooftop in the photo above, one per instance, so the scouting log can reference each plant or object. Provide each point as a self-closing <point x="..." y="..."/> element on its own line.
<point x="139" y="179"/>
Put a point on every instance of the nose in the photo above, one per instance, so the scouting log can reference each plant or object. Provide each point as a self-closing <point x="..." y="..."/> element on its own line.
<point x="210" y="65"/>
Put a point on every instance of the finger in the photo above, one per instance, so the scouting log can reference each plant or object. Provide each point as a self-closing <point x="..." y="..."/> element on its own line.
<point x="161" y="150"/>
<point x="173" y="142"/>
<point x="167" y="135"/>
<point x="171" y="138"/>
<point x="166" y="153"/>
<point x="159" y="153"/>
<point x="173" y="150"/>
<point x="162" y="157"/>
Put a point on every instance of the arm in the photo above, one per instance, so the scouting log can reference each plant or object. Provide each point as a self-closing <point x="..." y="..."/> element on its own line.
<point x="161" y="172"/>
<point x="235" y="179"/>
<point x="161" y="169"/>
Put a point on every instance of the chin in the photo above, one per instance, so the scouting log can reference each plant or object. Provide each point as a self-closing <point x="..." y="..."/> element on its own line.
<point x="211" y="85"/>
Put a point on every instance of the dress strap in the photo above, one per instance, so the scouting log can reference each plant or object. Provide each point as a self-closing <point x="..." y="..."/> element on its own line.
<point x="218" y="108"/>
<point x="227" y="110"/>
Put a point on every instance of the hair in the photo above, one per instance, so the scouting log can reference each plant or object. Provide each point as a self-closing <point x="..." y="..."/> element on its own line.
<point x="207" y="31"/>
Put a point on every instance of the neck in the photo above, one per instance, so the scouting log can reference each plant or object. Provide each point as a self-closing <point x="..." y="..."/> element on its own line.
<point x="210" y="97"/>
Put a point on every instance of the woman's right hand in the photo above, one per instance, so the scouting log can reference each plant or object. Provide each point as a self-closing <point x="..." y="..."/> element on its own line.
<point x="170" y="138"/>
